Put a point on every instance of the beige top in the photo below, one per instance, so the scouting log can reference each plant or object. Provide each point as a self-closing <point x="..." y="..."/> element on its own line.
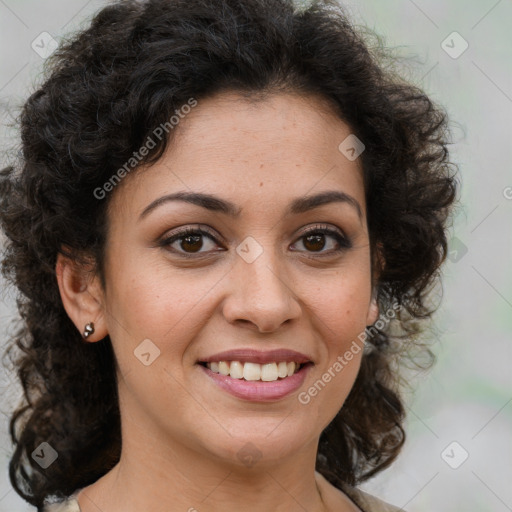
<point x="364" y="501"/>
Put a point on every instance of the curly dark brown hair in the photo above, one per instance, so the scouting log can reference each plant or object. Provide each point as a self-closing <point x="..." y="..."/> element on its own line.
<point x="105" y="90"/>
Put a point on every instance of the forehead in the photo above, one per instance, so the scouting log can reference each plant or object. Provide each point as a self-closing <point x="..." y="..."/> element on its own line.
<point x="278" y="146"/>
<point x="229" y="118"/>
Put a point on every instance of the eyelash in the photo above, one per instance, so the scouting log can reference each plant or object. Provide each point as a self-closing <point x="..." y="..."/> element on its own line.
<point x="343" y="242"/>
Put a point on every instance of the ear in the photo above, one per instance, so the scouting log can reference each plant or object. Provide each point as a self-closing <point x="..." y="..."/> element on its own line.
<point x="373" y="310"/>
<point x="377" y="267"/>
<point x="82" y="295"/>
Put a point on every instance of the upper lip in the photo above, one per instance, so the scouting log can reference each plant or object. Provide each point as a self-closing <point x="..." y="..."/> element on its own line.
<point x="258" y="356"/>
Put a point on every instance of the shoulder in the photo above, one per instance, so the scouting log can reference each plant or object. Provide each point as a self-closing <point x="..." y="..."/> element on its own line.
<point x="343" y="494"/>
<point x="55" y="504"/>
<point x="369" y="503"/>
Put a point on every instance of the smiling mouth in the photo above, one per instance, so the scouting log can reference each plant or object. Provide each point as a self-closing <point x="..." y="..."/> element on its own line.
<point x="249" y="371"/>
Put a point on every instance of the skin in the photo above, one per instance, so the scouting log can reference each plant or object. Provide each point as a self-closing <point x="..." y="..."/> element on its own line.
<point x="182" y="433"/>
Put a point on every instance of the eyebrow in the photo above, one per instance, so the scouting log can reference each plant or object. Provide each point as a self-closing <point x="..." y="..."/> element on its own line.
<point x="216" y="204"/>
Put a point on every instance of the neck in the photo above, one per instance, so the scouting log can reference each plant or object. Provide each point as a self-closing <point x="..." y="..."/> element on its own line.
<point x="174" y="479"/>
<point x="159" y="474"/>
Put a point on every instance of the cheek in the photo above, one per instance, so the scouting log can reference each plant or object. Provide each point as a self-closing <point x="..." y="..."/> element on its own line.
<point x="341" y="309"/>
<point x="340" y="312"/>
<point x="147" y="303"/>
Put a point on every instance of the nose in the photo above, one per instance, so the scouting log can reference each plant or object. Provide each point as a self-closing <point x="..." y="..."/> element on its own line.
<point x="260" y="294"/>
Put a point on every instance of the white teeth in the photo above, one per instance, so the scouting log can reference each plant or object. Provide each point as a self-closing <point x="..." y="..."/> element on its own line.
<point x="268" y="372"/>
<point x="282" y="370"/>
<point x="223" y="368"/>
<point x="236" y="370"/>
<point x="252" y="371"/>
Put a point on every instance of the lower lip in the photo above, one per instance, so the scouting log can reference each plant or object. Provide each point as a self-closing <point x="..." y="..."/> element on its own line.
<point x="256" y="390"/>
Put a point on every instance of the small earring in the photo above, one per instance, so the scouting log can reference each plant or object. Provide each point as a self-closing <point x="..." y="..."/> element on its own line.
<point x="89" y="329"/>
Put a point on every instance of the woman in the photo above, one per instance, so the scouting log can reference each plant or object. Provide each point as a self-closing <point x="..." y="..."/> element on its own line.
<point x="223" y="226"/>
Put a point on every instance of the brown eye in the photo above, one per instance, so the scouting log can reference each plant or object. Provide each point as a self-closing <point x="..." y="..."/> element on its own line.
<point x="192" y="242"/>
<point x="316" y="239"/>
<point x="188" y="242"/>
<point x="314" y="242"/>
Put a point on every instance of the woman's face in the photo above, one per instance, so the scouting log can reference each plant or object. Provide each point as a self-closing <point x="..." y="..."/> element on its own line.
<point x="276" y="277"/>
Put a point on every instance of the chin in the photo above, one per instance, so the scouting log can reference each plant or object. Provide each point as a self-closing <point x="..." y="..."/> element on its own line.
<point x="261" y="442"/>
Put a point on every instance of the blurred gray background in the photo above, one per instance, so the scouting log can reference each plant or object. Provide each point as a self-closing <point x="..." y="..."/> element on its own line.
<point x="458" y="455"/>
